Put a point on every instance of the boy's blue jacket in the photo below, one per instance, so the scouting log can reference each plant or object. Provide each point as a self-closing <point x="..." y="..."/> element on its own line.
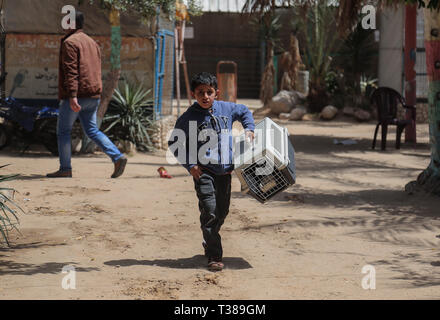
<point x="193" y="123"/>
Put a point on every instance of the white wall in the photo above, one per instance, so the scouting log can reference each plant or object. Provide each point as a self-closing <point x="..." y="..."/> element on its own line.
<point x="392" y="22"/>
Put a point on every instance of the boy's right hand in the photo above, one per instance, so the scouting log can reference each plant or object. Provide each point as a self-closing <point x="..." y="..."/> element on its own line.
<point x="196" y="172"/>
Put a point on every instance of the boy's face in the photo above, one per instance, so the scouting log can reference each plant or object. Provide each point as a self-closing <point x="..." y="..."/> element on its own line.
<point x="205" y="95"/>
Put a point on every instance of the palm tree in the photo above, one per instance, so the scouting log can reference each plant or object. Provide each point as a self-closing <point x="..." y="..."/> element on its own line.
<point x="320" y="46"/>
<point x="266" y="19"/>
<point x="315" y="18"/>
<point x="8" y="209"/>
<point x="347" y="16"/>
<point x="269" y="30"/>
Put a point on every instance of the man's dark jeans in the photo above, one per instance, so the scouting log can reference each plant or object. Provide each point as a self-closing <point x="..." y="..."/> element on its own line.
<point x="214" y="193"/>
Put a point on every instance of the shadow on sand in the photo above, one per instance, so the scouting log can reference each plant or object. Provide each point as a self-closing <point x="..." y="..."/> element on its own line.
<point x="195" y="262"/>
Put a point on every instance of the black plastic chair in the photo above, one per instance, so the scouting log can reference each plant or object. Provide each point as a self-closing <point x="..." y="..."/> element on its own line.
<point x="386" y="101"/>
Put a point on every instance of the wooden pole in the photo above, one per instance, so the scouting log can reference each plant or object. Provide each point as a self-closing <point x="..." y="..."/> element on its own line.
<point x="185" y="68"/>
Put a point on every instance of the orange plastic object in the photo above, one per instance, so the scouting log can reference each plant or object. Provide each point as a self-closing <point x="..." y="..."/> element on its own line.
<point x="227" y="82"/>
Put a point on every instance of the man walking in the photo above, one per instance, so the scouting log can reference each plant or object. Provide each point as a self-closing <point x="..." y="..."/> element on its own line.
<point x="79" y="91"/>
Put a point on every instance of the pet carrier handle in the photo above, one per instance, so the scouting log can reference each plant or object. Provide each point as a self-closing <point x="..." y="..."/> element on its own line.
<point x="270" y="132"/>
<point x="286" y="147"/>
<point x="252" y="142"/>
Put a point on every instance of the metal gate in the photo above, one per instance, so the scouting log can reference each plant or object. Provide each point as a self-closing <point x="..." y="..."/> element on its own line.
<point x="164" y="73"/>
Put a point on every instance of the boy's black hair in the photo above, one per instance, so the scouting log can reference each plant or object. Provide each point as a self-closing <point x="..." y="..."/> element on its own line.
<point x="79" y="20"/>
<point x="203" y="78"/>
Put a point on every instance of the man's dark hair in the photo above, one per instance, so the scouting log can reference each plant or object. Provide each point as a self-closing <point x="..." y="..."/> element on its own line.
<point x="79" y="20"/>
<point x="203" y="78"/>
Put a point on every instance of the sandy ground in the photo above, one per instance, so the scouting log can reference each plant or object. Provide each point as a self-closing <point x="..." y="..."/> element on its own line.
<point x="138" y="236"/>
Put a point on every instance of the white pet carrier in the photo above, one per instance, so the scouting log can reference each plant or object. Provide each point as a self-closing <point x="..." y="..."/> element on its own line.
<point x="266" y="166"/>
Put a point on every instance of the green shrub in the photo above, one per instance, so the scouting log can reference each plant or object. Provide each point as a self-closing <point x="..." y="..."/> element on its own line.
<point x="130" y="116"/>
<point x="8" y="216"/>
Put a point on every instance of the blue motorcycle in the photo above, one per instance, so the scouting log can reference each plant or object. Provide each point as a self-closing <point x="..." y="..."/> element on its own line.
<point x="28" y="125"/>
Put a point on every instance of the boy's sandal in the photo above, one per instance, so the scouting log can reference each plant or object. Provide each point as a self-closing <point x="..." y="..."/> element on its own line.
<point x="215" y="265"/>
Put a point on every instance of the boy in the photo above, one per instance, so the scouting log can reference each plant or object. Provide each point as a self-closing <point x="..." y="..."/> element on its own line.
<point x="206" y="153"/>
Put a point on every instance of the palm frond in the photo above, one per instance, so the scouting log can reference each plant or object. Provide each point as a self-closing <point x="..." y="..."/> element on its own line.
<point x="8" y="209"/>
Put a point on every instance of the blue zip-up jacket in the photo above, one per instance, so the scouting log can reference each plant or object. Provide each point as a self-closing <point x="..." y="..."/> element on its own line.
<point x="200" y="124"/>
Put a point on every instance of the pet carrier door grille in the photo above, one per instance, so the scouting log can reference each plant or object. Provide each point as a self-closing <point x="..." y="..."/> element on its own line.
<point x="267" y="166"/>
<point x="268" y="182"/>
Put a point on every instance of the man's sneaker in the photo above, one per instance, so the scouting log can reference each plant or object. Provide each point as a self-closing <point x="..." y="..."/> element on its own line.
<point x="215" y="264"/>
<point x="119" y="167"/>
<point x="60" y="174"/>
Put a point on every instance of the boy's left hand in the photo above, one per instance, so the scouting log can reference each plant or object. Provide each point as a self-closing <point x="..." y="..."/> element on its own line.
<point x="250" y="136"/>
<point x="196" y="172"/>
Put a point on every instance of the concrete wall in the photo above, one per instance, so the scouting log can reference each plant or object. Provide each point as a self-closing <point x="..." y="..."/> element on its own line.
<point x="44" y="17"/>
<point x="225" y="36"/>
<point x="391" y="68"/>
<point x="32" y="63"/>
<point x="390" y="48"/>
<point x="33" y="43"/>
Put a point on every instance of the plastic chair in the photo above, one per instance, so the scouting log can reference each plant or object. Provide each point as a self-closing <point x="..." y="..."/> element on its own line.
<point x="386" y="101"/>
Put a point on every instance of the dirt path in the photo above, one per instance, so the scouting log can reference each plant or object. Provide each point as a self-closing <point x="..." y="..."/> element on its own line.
<point x="138" y="237"/>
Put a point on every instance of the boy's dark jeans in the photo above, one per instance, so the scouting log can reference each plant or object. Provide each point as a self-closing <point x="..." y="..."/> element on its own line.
<point x="214" y="193"/>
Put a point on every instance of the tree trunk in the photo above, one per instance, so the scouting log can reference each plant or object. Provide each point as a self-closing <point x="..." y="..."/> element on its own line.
<point x="429" y="179"/>
<point x="112" y="79"/>
<point x="111" y="83"/>
<point x="267" y="81"/>
<point x="410" y="67"/>
<point x="318" y="96"/>
<point x="115" y="63"/>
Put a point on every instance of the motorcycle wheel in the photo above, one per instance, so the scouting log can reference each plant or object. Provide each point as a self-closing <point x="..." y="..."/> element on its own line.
<point x="48" y="134"/>
<point x="4" y="137"/>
